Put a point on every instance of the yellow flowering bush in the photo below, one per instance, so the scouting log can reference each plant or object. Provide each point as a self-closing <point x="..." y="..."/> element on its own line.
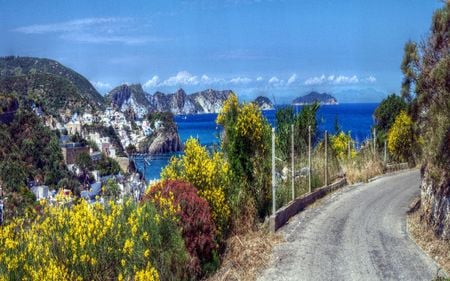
<point x="339" y="143"/>
<point x="246" y="145"/>
<point x="400" y="137"/>
<point x="209" y="173"/>
<point x="91" y="242"/>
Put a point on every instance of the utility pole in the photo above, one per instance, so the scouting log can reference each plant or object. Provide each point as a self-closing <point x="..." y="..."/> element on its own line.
<point x="385" y="152"/>
<point x="273" y="172"/>
<point x="374" y="142"/>
<point x="292" y="162"/>
<point x="326" y="158"/>
<point x="309" y="158"/>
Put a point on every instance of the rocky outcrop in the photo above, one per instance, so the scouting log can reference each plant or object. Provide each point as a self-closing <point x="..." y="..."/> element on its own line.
<point x="435" y="201"/>
<point x="127" y="98"/>
<point x="133" y="98"/>
<point x="264" y="103"/>
<point x="165" y="142"/>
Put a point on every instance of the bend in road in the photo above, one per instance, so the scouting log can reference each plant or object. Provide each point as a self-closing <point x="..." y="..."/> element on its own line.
<point x="356" y="233"/>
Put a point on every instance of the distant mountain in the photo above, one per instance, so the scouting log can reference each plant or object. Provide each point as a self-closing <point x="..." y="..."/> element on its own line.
<point x="315" y="97"/>
<point x="263" y="103"/>
<point x="133" y="97"/>
<point x="129" y="98"/>
<point x="23" y="66"/>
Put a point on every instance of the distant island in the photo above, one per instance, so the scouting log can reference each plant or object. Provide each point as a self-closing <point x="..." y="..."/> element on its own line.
<point x="313" y="97"/>
<point x="264" y="103"/>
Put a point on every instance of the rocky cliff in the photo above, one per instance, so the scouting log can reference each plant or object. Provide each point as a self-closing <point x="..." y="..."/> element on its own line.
<point x="164" y="137"/>
<point x="129" y="98"/>
<point x="133" y="97"/>
<point x="435" y="201"/>
<point x="264" y="103"/>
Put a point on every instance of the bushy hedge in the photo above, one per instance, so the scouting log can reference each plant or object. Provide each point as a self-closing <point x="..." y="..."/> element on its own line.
<point x="197" y="226"/>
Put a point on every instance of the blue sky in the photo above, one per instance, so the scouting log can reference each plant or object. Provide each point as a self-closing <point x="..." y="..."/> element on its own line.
<point x="278" y="48"/>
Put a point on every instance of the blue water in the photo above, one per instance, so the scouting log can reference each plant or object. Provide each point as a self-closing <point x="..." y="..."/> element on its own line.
<point x="356" y="118"/>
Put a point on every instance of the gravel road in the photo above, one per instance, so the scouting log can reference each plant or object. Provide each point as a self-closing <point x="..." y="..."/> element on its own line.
<point x="357" y="233"/>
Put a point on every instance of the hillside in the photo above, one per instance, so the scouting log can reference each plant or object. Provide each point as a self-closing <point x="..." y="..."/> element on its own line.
<point x="56" y="95"/>
<point x="19" y="66"/>
<point x="313" y="97"/>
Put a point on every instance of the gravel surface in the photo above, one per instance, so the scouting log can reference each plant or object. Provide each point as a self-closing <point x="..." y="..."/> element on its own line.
<point x="356" y="233"/>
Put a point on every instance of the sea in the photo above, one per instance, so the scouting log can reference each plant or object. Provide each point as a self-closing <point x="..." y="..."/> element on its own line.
<point x="356" y="118"/>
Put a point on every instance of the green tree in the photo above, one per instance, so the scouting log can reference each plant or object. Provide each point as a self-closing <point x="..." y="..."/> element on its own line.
<point x="387" y="111"/>
<point x="246" y="144"/>
<point x="111" y="189"/>
<point x="409" y="67"/>
<point x="107" y="166"/>
<point x="84" y="163"/>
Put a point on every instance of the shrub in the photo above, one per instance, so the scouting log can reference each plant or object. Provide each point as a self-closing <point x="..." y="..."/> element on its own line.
<point x="93" y="242"/>
<point x="246" y="144"/>
<point x="400" y="137"/>
<point x="197" y="226"/>
<point x="209" y="173"/>
<point x="340" y="143"/>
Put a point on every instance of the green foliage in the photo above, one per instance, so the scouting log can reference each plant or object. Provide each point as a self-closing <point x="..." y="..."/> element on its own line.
<point x="340" y="145"/>
<point x="246" y="144"/>
<point x="285" y="118"/>
<point x="209" y="173"/>
<point x="28" y="66"/>
<point x="409" y="67"/>
<point x="28" y="151"/>
<point x="165" y="117"/>
<point x="400" y="138"/>
<point x="387" y="111"/>
<point x="52" y="93"/>
<point x="111" y="189"/>
<point x="107" y="166"/>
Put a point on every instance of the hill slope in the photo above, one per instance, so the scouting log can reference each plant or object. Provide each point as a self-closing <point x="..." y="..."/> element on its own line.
<point x="56" y="95"/>
<point x="19" y="66"/>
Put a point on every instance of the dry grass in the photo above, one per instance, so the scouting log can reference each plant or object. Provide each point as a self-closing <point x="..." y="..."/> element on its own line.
<point x="362" y="172"/>
<point x="246" y="255"/>
<point x="437" y="249"/>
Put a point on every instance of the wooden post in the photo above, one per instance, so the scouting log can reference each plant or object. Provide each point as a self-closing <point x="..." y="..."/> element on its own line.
<point x="292" y="162"/>
<point x="385" y="152"/>
<point x="309" y="158"/>
<point x="273" y="173"/>
<point x="374" y="142"/>
<point x="326" y="158"/>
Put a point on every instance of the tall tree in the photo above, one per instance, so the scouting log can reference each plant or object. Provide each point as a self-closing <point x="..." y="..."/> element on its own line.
<point x="409" y="67"/>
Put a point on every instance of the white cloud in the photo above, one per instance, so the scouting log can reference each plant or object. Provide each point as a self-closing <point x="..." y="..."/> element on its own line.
<point x="99" y="85"/>
<point x="182" y="78"/>
<point x="292" y="79"/>
<point x="152" y="83"/>
<point x="259" y="79"/>
<point x="346" y="79"/>
<point x="104" y="30"/>
<point x="337" y="80"/>
<point x="370" y="79"/>
<point x="315" y="80"/>
<point x="274" y="80"/>
<point x="240" y="80"/>
<point x="68" y="26"/>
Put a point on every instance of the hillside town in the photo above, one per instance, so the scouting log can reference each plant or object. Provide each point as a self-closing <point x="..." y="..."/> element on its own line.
<point x="109" y="170"/>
